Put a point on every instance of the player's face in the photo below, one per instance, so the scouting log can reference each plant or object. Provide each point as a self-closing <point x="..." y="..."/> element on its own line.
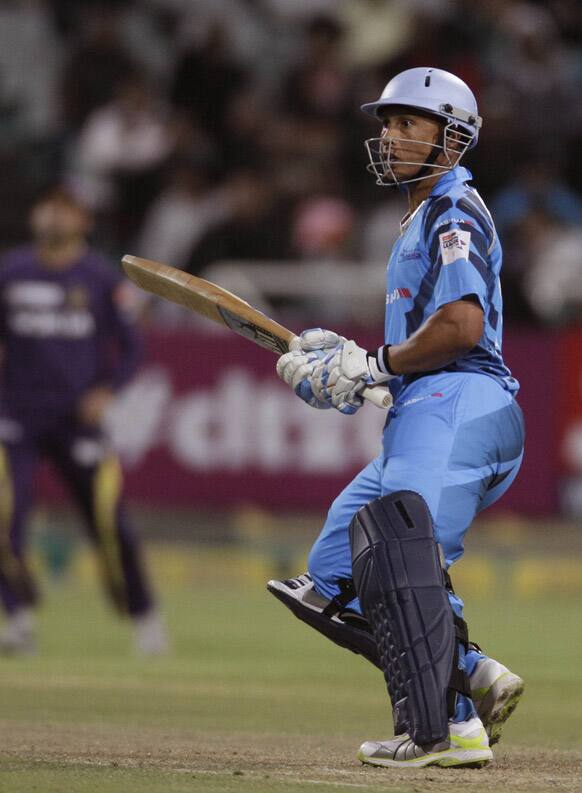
<point x="409" y="139"/>
<point x="57" y="221"/>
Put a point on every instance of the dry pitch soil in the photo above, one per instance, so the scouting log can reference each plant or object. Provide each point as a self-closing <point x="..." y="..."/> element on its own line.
<point x="262" y="760"/>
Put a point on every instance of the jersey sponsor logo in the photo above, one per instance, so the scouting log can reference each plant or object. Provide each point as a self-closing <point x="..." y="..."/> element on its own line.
<point x="454" y="245"/>
<point x="414" y="400"/>
<point x="52" y="324"/>
<point x="407" y="256"/>
<point x="42" y="310"/>
<point x="449" y="221"/>
<point x="39" y="294"/>
<point x="396" y="294"/>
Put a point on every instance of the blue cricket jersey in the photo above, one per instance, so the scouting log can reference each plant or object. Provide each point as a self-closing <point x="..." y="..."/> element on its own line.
<point x="447" y="250"/>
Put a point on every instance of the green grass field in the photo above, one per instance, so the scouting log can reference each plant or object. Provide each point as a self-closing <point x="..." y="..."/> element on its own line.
<point x="251" y="701"/>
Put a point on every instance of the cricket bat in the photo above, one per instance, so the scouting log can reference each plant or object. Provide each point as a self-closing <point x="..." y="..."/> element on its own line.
<point x="221" y="306"/>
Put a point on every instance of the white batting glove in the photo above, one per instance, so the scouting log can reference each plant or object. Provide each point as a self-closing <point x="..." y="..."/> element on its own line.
<point x="318" y="339"/>
<point x="296" y="366"/>
<point x="342" y="375"/>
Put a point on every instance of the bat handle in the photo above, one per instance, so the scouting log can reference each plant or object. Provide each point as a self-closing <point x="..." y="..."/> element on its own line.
<point x="379" y="395"/>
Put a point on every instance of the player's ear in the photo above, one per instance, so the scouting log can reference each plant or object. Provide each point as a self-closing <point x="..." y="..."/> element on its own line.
<point x="454" y="144"/>
<point x="453" y="140"/>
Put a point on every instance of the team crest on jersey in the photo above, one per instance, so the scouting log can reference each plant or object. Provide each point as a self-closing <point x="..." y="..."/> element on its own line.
<point x="454" y="245"/>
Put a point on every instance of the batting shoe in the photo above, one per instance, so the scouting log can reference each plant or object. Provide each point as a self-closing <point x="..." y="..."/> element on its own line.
<point x="495" y="692"/>
<point x="150" y="635"/>
<point x="18" y="636"/>
<point x="332" y="618"/>
<point x="298" y="587"/>
<point x="466" y="746"/>
<point x="299" y="594"/>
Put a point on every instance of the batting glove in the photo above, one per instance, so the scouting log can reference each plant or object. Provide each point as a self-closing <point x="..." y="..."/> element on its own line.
<point x="340" y="377"/>
<point x="297" y="365"/>
<point x="319" y="339"/>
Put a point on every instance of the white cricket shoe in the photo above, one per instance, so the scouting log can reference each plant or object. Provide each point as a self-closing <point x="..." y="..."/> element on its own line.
<point x="465" y="746"/>
<point x="18" y="637"/>
<point x="495" y="692"/>
<point x="150" y="635"/>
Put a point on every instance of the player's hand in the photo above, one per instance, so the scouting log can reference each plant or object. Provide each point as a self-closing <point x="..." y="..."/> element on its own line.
<point x="340" y="377"/>
<point x="296" y="366"/>
<point x="317" y="339"/>
<point x="93" y="405"/>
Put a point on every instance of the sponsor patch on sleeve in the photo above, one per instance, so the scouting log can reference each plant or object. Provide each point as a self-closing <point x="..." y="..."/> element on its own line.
<point x="455" y="244"/>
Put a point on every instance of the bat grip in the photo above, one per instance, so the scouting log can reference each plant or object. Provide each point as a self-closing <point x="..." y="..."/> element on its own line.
<point x="379" y="395"/>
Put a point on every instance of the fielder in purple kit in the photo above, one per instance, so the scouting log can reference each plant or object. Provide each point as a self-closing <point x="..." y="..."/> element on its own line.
<point x="68" y="344"/>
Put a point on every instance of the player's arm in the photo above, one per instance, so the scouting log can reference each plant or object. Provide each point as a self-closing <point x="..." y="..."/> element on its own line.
<point x="122" y="334"/>
<point x="454" y="329"/>
<point x="93" y="404"/>
<point x="460" y="248"/>
<point x="448" y="334"/>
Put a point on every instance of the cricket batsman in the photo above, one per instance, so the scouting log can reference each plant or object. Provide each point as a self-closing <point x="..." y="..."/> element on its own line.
<point x="68" y="344"/>
<point x="452" y="443"/>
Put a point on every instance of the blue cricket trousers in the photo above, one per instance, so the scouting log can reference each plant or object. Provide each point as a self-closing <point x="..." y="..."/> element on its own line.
<point x="454" y="437"/>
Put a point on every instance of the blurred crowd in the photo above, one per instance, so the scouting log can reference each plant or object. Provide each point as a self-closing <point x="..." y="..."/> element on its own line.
<point x="200" y="131"/>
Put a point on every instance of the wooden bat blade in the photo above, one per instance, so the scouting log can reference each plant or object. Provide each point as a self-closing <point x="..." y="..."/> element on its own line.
<point x="209" y="300"/>
<point x="221" y="306"/>
<point x="170" y="283"/>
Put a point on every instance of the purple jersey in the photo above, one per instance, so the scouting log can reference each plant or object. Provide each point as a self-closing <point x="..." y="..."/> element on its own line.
<point x="62" y="332"/>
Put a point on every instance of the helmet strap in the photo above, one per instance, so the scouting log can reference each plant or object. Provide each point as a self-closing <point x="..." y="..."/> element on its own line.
<point x="425" y="168"/>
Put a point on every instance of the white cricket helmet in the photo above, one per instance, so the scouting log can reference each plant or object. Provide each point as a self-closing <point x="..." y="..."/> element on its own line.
<point x="433" y="91"/>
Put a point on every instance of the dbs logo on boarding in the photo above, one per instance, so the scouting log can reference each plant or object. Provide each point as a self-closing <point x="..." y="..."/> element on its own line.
<point x="235" y="424"/>
<point x="396" y="294"/>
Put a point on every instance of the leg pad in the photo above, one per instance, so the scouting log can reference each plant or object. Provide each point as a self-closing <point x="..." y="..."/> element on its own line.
<point x="400" y="583"/>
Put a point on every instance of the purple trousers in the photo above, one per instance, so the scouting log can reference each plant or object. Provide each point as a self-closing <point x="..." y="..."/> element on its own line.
<point x="92" y="474"/>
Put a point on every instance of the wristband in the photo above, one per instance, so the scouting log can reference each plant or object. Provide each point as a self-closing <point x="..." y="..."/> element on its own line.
<point x="379" y="364"/>
<point x="384" y="360"/>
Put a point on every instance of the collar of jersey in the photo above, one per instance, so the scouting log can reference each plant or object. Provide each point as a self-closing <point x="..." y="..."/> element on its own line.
<point x="405" y="222"/>
<point x="456" y="175"/>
